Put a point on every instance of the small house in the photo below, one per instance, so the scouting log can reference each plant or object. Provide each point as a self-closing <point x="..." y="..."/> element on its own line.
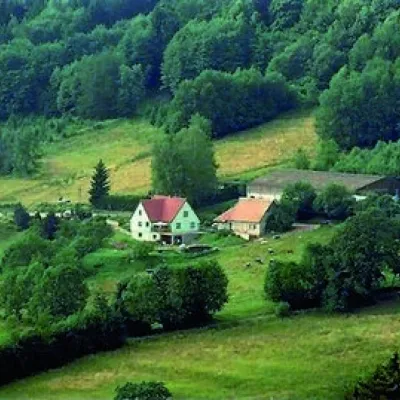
<point x="273" y="185"/>
<point x="247" y="218"/>
<point x="169" y="220"/>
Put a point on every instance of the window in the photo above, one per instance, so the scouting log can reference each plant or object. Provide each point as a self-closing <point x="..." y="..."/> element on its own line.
<point x="192" y="225"/>
<point x="147" y="224"/>
<point x="178" y="225"/>
<point x="186" y="214"/>
<point x="140" y="234"/>
<point x="140" y="212"/>
<point x="155" y="237"/>
<point x="139" y="223"/>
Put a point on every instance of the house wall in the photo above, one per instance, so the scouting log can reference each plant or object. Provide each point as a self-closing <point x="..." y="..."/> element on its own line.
<point x="141" y="227"/>
<point x="263" y="192"/>
<point x="246" y="230"/>
<point x="185" y="221"/>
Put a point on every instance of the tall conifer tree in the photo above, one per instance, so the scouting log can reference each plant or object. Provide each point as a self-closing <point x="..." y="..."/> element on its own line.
<point x="100" y="184"/>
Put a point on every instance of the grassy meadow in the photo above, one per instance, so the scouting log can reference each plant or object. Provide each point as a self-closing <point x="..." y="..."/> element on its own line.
<point x="308" y="356"/>
<point x="125" y="147"/>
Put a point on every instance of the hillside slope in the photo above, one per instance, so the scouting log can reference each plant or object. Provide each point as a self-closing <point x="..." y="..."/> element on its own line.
<point x="125" y="147"/>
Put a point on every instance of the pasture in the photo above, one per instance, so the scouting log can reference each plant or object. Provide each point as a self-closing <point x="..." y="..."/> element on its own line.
<point x="125" y="147"/>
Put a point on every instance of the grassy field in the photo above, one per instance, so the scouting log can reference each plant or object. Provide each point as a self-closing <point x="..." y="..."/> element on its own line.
<point x="310" y="356"/>
<point x="125" y="147"/>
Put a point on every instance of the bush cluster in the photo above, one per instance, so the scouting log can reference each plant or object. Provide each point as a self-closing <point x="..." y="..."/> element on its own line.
<point x="232" y="102"/>
<point x="175" y="298"/>
<point x="61" y="343"/>
<point x="143" y="391"/>
<point x="345" y="273"/>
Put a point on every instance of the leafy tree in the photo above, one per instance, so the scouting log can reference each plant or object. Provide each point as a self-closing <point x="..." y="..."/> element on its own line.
<point x="171" y="313"/>
<point x="293" y="283"/>
<point x="100" y="185"/>
<point x="383" y="159"/>
<point x="360" y="107"/>
<point x="17" y="289"/>
<point x="177" y="160"/>
<point x="364" y="247"/>
<point x="285" y="13"/>
<point x="132" y="89"/>
<point x="203" y="290"/>
<point x="328" y="153"/>
<point x="141" y="250"/>
<point x="61" y="292"/>
<point x="29" y="248"/>
<point x="302" y="194"/>
<point x="221" y="43"/>
<point x="301" y="159"/>
<point x="385" y="204"/>
<point x="281" y="217"/>
<point x="19" y="150"/>
<point x="139" y="299"/>
<point x="143" y="391"/>
<point x="335" y="201"/>
<point x="21" y="217"/>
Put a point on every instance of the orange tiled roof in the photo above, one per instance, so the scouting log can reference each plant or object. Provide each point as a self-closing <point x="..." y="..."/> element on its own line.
<point x="246" y="210"/>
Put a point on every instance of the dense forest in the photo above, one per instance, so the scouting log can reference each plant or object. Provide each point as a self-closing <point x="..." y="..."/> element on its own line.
<point x="237" y="63"/>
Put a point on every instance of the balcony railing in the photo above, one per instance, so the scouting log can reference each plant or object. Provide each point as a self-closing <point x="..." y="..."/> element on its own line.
<point x="161" y="228"/>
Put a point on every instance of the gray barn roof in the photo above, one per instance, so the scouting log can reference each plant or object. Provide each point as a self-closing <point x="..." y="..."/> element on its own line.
<point x="278" y="180"/>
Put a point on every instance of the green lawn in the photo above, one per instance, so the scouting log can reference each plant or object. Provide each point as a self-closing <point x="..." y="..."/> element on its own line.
<point x="310" y="356"/>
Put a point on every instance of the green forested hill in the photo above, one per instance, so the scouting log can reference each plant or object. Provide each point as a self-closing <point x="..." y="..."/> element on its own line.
<point x="238" y="63"/>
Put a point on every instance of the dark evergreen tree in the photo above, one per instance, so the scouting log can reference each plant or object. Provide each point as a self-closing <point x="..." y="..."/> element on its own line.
<point x="100" y="185"/>
<point x="383" y="384"/>
<point x="50" y="226"/>
<point x="21" y="217"/>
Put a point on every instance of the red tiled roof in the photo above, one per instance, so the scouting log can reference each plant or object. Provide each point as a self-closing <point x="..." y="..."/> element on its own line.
<point x="163" y="208"/>
<point x="246" y="210"/>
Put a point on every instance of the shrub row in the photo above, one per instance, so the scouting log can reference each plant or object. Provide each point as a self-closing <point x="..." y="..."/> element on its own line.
<point x="71" y="339"/>
<point x="120" y="202"/>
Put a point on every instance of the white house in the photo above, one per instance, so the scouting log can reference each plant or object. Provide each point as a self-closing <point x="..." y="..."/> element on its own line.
<point x="164" y="219"/>
<point x="247" y="218"/>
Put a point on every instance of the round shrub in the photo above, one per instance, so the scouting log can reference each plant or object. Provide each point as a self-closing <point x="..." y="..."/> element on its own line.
<point x="282" y="310"/>
<point x="143" y="391"/>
